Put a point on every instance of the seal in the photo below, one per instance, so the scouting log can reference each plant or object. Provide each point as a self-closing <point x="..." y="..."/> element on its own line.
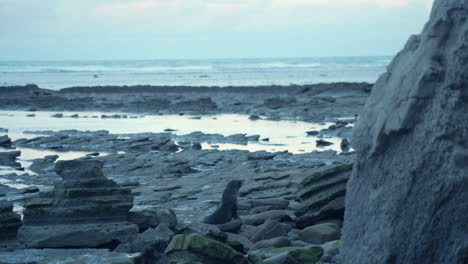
<point x="228" y="208"/>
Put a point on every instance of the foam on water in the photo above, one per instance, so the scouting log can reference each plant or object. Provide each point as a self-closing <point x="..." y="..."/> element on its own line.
<point x="206" y="72"/>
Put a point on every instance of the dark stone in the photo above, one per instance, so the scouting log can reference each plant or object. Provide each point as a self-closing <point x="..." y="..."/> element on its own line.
<point x="406" y="201"/>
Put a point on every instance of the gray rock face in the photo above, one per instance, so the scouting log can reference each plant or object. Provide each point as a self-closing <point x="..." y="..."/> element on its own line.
<point x="85" y="210"/>
<point x="407" y="198"/>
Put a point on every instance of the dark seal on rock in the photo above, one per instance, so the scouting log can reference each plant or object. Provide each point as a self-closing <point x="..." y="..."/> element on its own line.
<point x="228" y="208"/>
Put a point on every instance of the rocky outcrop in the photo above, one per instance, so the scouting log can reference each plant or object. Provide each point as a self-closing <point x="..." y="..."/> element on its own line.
<point x="84" y="210"/>
<point x="9" y="159"/>
<point x="9" y="221"/>
<point x="407" y="198"/>
<point x="322" y="195"/>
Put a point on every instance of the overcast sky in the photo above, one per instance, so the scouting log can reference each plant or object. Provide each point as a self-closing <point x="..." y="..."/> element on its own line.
<point x="152" y="29"/>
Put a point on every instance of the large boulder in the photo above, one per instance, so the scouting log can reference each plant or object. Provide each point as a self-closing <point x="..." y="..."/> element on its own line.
<point x="407" y="198"/>
<point x="84" y="210"/>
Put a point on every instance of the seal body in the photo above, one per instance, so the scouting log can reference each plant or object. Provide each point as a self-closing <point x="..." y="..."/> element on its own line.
<point x="228" y="207"/>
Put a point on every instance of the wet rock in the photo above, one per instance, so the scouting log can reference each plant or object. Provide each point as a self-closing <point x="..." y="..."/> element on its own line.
<point x="66" y="256"/>
<point x="270" y="229"/>
<point x="331" y="250"/>
<point x="309" y="254"/>
<point x="5" y="141"/>
<point x="312" y="133"/>
<point x="277" y="102"/>
<point x="239" y="239"/>
<point x="9" y="221"/>
<point x="253" y="138"/>
<point x="323" y="143"/>
<point x="196" y="146"/>
<point x="201" y="105"/>
<point x="327" y="99"/>
<point x="333" y="210"/>
<point x="319" y="234"/>
<point x="84" y="210"/>
<point x="9" y="159"/>
<point x="345" y="145"/>
<point x="44" y="165"/>
<point x="161" y="235"/>
<point x="202" y="249"/>
<point x="258" y="219"/>
<point x="57" y="115"/>
<point x="231" y="226"/>
<point x="31" y="189"/>
<point x="406" y="187"/>
<point x="130" y="183"/>
<point x="261" y="155"/>
<point x="276" y="242"/>
<point x="3" y="130"/>
<point x="152" y="217"/>
<point x="254" y="117"/>
<point x="319" y="189"/>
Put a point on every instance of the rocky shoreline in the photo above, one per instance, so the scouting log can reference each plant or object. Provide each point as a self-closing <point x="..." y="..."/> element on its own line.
<point x="291" y="205"/>
<point x="188" y="181"/>
<point x="310" y="103"/>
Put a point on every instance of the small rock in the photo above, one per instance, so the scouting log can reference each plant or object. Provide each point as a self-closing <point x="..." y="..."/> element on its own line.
<point x="31" y="189"/>
<point x="57" y="115"/>
<point x="254" y="117"/>
<point x="345" y="145"/>
<point x="196" y="146"/>
<point x="323" y="143"/>
<point x="5" y="141"/>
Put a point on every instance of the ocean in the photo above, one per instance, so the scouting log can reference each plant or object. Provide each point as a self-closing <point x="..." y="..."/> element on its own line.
<point x="204" y="72"/>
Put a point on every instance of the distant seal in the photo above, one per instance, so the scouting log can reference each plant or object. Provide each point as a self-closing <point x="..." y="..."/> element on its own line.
<point x="228" y="208"/>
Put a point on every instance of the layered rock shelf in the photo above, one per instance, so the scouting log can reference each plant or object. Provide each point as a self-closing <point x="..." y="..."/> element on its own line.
<point x="322" y="195"/>
<point x="84" y="210"/>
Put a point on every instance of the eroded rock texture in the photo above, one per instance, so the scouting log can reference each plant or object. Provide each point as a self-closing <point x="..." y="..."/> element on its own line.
<point x="407" y="200"/>
<point x="84" y="210"/>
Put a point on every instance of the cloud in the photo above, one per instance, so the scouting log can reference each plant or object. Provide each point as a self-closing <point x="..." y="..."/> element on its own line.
<point x="380" y="3"/>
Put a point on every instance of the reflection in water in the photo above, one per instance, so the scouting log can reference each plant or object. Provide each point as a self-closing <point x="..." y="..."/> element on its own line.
<point x="283" y="135"/>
